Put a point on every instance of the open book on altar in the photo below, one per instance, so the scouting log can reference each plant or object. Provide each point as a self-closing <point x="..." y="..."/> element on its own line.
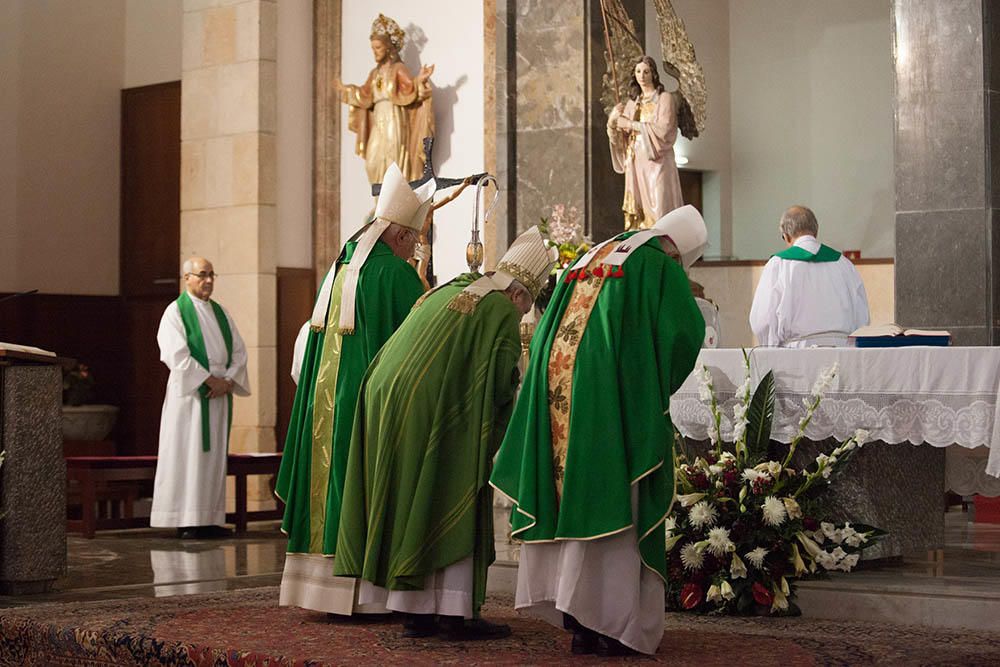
<point x="893" y="335"/>
<point x="28" y="349"/>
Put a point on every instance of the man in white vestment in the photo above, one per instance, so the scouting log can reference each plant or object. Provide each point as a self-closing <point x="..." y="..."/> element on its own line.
<point x="809" y="294"/>
<point x="207" y="359"/>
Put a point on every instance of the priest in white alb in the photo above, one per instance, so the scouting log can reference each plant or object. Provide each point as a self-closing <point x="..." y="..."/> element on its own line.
<point x="207" y="359"/>
<point x="809" y="294"/>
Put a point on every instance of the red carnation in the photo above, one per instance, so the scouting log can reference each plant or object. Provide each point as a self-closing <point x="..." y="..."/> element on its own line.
<point x="810" y="523"/>
<point x="761" y="594"/>
<point x="690" y="596"/>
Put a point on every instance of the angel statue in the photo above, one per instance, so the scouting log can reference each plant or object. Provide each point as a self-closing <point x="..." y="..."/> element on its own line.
<point x="642" y="130"/>
<point x="391" y="112"/>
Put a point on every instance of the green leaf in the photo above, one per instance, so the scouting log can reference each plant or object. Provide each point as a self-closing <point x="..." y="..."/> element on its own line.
<point x="760" y="417"/>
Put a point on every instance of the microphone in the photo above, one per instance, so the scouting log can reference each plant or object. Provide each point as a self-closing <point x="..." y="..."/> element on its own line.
<point x="16" y="295"/>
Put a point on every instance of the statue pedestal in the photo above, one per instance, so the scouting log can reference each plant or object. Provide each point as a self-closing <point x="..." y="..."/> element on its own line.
<point x="33" y="476"/>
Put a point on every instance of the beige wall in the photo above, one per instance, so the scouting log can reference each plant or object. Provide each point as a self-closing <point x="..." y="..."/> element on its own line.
<point x="731" y="287"/>
<point x="707" y="24"/>
<point x="811" y="104"/>
<point x="63" y="67"/>
<point x="152" y="41"/>
<point x="448" y="35"/>
<point x="295" y="133"/>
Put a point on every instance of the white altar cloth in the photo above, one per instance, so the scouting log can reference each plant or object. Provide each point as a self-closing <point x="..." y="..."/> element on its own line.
<point x="941" y="396"/>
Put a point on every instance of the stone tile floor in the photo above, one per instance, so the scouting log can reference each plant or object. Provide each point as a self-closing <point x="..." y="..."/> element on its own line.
<point x="154" y="563"/>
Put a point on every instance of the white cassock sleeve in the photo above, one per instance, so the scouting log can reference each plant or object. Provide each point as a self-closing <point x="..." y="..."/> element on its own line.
<point x="299" y="351"/>
<point x="186" y="374"/>
<point x="764" y="310"/>
<point x="237" y="371"/>
<point x="861" y="315"/>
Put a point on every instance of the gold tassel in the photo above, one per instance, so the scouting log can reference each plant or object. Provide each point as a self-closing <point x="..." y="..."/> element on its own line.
<point x="464" y="303"/>
<point x="316" y="329"/>
<point x="346" y="332"/>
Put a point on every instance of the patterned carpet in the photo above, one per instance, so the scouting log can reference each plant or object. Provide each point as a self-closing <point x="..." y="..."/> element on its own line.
<point x="247" y="627"/>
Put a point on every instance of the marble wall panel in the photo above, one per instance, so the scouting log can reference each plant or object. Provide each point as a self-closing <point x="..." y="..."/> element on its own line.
<point x="992" y="121"/>
<point x="942" y="268"/>
<point x="940" y="143"/>
<point x="937" y="46"/>
<point x="550" y="170"/>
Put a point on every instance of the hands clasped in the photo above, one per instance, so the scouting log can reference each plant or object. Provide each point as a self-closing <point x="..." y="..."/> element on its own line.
<point x="218" y="386"/>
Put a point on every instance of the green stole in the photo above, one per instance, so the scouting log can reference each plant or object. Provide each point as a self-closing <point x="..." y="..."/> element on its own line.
<point x="196" y="345"/>
<point x="799" y="254"/>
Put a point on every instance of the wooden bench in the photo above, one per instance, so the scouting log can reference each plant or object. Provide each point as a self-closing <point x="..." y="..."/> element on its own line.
<point x="95" y="478"/>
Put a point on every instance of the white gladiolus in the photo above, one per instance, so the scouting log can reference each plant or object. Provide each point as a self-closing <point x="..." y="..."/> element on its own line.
<point x="792" y="507"/>
<point x="737" y="568"/>
<point x="727" y="591"/>
<point x="849" y="562"/>
<point x="704" y="383"/>
<point x="809" y="545"/>
<point x="774" y="511"/>
<point x="689" y="499"/>
<point x="714" y="594"/>
<point x="824" y="380"/>
<point x="861" y="436"/>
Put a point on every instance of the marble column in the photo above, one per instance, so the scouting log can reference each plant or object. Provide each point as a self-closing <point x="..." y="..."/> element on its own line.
<point x="946" y="57"/>
<point x="550" y="127"/>
<point x="228" y="184"/>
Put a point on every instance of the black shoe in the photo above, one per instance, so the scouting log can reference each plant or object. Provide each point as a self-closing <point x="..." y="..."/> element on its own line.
<point x="584" y="641"/>
<point x="419" y="625"/>
<point x="455" y="628"/>
<point x="609" y="648"/>
<point x="213" y="532"/>
<point x="190" y="533"/>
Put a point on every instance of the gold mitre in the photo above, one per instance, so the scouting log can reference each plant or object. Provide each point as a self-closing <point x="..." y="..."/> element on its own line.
<point x="400" y="204"/>
<point x="528" y="261"/>
<point x="385" y="27"/>
<point x="686" y="228"/>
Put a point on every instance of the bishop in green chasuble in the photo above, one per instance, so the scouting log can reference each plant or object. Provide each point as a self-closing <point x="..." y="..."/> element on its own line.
<point x="417" y="510"/>
<point x="366" y="295"/>
<point x="588" y="459"/>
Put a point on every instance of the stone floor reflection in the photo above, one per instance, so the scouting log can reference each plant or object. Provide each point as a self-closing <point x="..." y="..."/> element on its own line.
<point x="962" y="579"/>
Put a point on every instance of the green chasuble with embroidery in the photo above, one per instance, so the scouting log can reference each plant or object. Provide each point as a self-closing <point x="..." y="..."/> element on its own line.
<point x="615" y="371"/>
<point x="800" y="254"/>
<point x="311" y="477"/>
<point x="432" y="411"/>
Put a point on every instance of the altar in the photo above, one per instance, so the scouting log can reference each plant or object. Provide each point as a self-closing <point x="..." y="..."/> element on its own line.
<point x="936" y="400"/>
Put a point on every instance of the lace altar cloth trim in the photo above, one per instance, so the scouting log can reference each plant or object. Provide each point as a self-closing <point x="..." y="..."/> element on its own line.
<point x="938" y="396"/>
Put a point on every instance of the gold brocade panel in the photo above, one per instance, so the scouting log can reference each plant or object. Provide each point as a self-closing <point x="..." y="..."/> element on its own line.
<point x="562" y="359"/>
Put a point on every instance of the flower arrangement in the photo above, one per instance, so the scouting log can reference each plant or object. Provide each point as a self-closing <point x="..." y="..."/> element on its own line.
<point x="745" y="528"/>
<point x="563" y="229"/>
<point x="78" y="385"/>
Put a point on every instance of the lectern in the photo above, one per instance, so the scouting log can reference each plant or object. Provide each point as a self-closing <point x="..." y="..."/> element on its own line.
<point x="33" y="477"/>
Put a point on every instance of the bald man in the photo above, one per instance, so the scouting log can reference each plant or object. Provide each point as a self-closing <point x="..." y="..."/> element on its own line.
<point x="207" y="359"/>
<point x="809" y="294"/>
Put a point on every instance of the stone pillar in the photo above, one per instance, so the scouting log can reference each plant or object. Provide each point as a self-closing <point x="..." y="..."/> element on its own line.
<point x="946" y="57"/>
<point x="552" y="146"/>
<point x="228" y="179"/>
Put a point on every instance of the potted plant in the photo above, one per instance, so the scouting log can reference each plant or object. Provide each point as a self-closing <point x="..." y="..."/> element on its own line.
<point x="83" y="418"/>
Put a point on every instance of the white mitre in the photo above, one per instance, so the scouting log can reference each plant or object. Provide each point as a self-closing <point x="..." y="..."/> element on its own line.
<point x="527" y="261"/>
<point x="397" y="203"/>
<point x="684" y="227"/>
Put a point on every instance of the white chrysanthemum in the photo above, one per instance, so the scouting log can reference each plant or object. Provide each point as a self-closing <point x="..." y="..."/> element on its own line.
<point x="719" y="542"/>
<point x="792" y="507"/>
<point x="756" y="557"/>
<point x="737" y="569"/>
<point x="691" y="557"/>
<point x="702" y="514"/>
<point x="774" y="511"/>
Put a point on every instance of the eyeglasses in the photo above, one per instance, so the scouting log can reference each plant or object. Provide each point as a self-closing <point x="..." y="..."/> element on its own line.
<point x="203" y="275"/>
